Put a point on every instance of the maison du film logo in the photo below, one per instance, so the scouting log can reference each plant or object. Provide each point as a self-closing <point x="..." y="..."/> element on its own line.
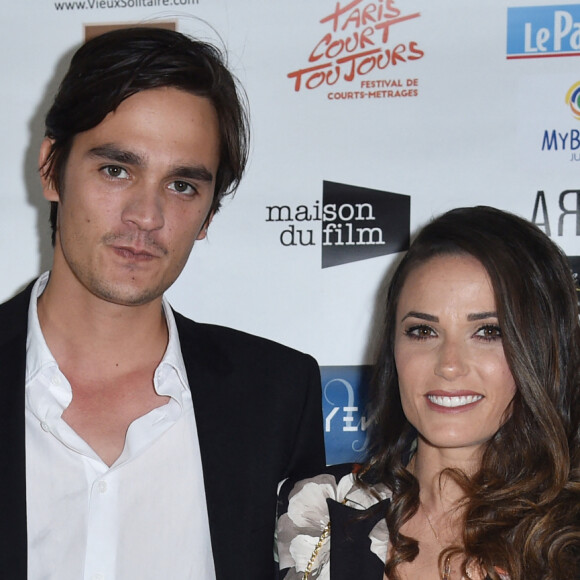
<point x="362" y="47"/>
<point x="351" y="224"/>
<point x="344" y="400"/>
<point x="543" y="31"/>
<point x="565" y="141"/>
<point x="360" y="223"/>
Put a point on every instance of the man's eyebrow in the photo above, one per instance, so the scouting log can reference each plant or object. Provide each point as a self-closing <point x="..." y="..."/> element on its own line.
<point x="114" y="153"/>
<point x="421" y="316"/>
<point x="193" y="172"/>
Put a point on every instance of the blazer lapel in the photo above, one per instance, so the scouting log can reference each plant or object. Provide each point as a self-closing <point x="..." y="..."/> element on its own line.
<point x="207" y="365"/>
<point x="13" y="538"/>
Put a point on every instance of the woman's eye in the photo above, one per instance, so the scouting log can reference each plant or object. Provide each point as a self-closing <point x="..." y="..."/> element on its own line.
<point x="420" y="332"/>
<point x="489" y="332"/>
<point x="182" y="187"/>
<point x="115" y="172"/>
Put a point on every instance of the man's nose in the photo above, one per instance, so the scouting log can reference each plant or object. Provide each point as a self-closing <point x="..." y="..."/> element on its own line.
<point x="144" y="208"/>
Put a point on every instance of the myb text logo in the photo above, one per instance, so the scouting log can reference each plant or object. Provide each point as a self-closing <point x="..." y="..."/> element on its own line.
<point x="566" y="140"/>
<point x="344" y="399"/>
<point x="542" y="31"/>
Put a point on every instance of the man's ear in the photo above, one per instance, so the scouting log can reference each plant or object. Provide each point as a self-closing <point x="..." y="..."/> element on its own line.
<point x="203" y="232"/>
<point x="46" y="179"/>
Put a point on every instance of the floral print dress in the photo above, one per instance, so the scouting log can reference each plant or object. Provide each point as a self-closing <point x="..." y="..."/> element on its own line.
<point x="331" y="527"/>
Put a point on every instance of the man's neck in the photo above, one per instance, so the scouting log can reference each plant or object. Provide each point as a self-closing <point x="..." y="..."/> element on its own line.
<point x="84" y="330"/>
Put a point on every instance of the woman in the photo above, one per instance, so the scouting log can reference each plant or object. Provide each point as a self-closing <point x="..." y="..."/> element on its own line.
<point x="474" y="468"/>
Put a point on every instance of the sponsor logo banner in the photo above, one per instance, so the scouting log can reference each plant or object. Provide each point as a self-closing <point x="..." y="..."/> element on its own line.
<point x="344" y="399"/>
<point x="360" y="223"/>
<point x="361" y="42"/>
<point x="543" y="31"/>
<point x="357" y="223"/>
<point x="573" y="100"/>
<point x="549" y="123"/>
<point x="558" y="215"/>
<point x="74" y="5"/>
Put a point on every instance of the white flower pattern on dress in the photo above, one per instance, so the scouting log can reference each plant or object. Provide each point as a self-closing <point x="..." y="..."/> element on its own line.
<point x="299" y="529"/>
<point x="379" y="537"/>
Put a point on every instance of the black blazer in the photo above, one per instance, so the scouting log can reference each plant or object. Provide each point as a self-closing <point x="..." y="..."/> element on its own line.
<point x="258" y="411"/>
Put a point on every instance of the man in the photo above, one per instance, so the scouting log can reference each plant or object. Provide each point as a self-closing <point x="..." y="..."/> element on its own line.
<point x="137" y="444"/>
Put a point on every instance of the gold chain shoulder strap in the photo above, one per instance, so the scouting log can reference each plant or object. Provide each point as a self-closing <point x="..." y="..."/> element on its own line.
<point x="325" y="534"/>
<point x="323" y="537"/>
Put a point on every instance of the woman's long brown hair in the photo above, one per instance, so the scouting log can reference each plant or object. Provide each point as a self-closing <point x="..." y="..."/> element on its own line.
<point x="522" y="508"/>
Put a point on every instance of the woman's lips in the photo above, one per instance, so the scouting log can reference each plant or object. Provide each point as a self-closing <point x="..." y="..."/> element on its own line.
<point x="454" y="401"/>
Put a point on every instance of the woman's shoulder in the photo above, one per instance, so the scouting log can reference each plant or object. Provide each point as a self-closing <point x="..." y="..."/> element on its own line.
<point x="339" y="483"/>
<point x="306" y="508"/>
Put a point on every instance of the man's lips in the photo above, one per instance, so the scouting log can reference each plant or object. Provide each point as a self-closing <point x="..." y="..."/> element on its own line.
<point x="133" y="253"/>
<point x="461" y="399"/>
<point x="136" y="247"/>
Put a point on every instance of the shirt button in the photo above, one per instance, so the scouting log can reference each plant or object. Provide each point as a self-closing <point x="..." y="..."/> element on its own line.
<point x="98" y="577"/>
<point x="102" y="486"/>
<point x="45" y="426"/>
<point x="55" y="380"/>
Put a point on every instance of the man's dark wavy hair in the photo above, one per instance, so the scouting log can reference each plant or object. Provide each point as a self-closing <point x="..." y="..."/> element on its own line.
<point x="111" y="67"/>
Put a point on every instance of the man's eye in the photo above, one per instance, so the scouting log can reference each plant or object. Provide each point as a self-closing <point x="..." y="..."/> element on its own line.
<point x="115" y="172"/>
<point x="182" y="187"/>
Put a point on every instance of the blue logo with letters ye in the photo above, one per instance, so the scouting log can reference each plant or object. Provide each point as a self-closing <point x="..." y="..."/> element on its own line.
<point x="344" y="399"/>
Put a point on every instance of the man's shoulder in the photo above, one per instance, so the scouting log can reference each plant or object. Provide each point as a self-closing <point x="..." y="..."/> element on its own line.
<point x="14" y="313"/>
<point x="234" y="342"/>
<point x="19" y="300"/>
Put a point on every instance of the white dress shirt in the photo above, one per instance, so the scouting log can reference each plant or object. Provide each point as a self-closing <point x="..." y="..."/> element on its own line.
<point x="143" y="518"/>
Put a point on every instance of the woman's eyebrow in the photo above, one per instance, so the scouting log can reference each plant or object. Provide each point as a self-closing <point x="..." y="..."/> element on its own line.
<point x="481" y="315"/>
<point x="420" y="315"/>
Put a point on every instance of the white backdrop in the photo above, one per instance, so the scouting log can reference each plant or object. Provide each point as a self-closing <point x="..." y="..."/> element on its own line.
<point x="477" y="128"/>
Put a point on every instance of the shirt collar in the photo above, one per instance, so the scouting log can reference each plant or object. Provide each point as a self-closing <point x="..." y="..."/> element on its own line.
<point x="38" y="354"/>
<point x="173" y="357"/>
